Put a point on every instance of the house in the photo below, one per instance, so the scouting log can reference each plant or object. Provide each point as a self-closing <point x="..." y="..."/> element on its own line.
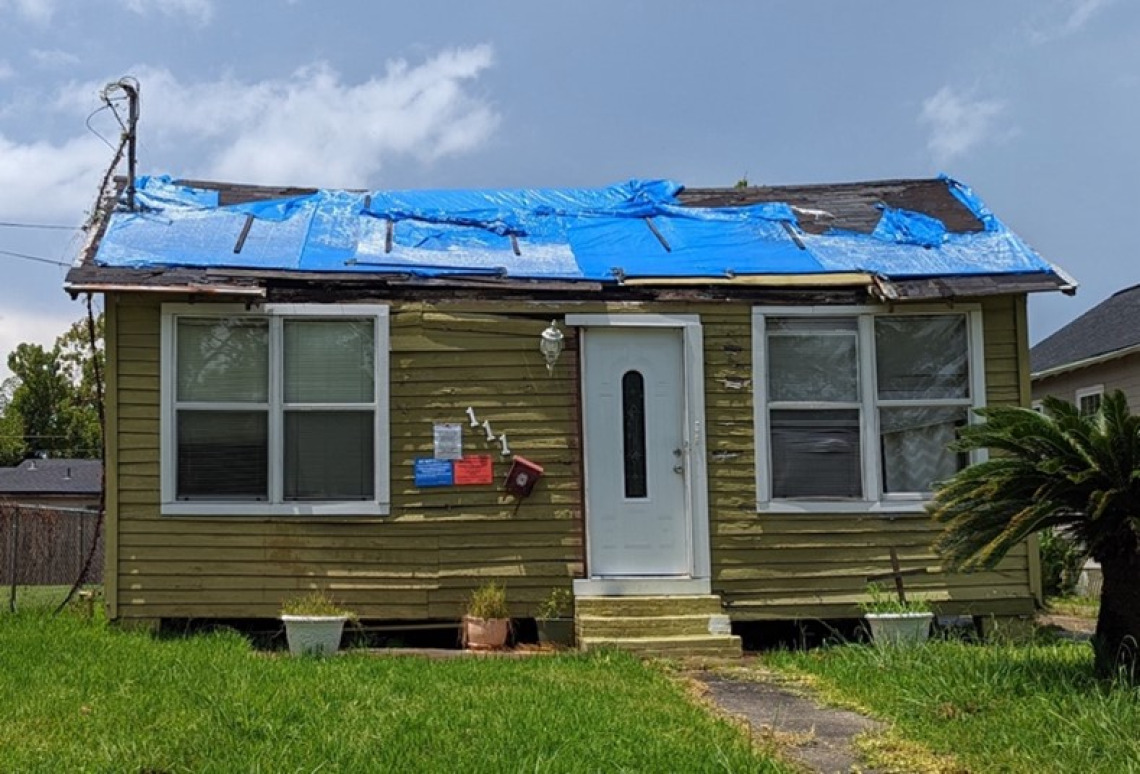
<point x="53" y="483"/>
<point x="1096" y="353"/>
<point x="755" y="389"/>
<point x="49" y="514"/>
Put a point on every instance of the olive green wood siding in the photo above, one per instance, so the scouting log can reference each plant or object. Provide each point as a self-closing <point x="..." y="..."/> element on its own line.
<point x="424" y="559"/>
<point x="780" y="566"/>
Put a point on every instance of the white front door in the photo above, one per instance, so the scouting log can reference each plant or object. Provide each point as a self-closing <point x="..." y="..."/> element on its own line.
<point x="638" y="519"/>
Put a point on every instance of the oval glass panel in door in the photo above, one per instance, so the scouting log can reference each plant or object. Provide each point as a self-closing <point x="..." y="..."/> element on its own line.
<point x="633" y="433"/>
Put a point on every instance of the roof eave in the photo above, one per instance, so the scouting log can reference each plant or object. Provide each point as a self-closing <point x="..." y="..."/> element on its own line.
<point x="1085" y="362"/>
<point x="255" y="284"/>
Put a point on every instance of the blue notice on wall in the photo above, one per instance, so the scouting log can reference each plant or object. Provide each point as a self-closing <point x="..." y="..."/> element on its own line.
<point x="433" y="472"/>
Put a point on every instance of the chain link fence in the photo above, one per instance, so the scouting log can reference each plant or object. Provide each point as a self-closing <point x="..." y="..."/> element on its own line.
<point x="43" y="549"/>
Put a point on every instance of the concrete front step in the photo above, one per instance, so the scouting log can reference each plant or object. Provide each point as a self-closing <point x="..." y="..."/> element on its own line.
<point x="707" y="604"/>
<point x="644" y="626"/>
<point x="706" y="646"/>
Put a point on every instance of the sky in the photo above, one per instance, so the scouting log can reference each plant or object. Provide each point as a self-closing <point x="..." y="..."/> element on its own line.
<point x="1034" y="103"/>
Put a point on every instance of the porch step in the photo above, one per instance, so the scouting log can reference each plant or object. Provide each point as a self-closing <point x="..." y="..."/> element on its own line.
<point x="707" y="646"/>
<point x="671" y="626"/>
<point x="644" y="626"/>
<point x="704" y="604"/>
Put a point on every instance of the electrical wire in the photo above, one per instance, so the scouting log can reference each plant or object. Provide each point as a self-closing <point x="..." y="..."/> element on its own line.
<point x="92" y="340"/>
<point x="114" y="112"/>
<point x="36" y="258"/>
<point x="92" y="129"/>
<point x="45" y="226"/>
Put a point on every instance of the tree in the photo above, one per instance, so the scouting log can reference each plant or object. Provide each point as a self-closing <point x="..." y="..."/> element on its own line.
<point x="11" y="426"/>
<point x="52" y="404"/>
<point x="1056" y="469"/>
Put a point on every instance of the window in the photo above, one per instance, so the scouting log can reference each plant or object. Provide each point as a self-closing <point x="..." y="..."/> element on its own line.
<point x="1088" y="400"/>
<point x="856" y="408"/>
<point x="1038" y="406"/>
<point x="633" y="433"/>
<point x="275" y="412"/>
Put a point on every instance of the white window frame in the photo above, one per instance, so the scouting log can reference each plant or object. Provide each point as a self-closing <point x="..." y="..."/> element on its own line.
<point x="380" y="505"/>
<point x="1088" y="392"/>
<point x="1038" y="406"/>
<point x="875" y="500"/>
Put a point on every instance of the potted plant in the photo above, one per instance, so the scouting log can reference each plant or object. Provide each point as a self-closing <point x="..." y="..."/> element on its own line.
<point x="313" y="623"/>
<point x="488" y="619"/>
<point x="555" y="618"/>
<point x="896" y="621"/>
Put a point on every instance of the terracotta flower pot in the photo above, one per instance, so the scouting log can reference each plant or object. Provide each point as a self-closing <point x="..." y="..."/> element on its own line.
<point x="485" y="633"/>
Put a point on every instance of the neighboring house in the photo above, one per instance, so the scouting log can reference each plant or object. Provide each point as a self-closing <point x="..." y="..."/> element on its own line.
<point x="1097" y="353"/>
<point x="53" y="483"/>
<point x="753" y="403"/>
<point x="49" y="511"/>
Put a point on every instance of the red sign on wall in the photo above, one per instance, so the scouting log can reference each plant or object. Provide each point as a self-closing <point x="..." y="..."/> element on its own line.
<point x="474" y="470"/>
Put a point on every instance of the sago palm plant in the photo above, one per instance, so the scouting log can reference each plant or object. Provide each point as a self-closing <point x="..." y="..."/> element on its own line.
<point x="1055" y="469"/>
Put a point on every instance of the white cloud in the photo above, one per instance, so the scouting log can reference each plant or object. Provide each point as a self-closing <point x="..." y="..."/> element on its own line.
<point x="959" y="122"/>
<point x="308" y="129"/>
<point x="311" y="128"/>
<point x="39" y="11"/>
<point x="6" y="70"/>
<point x="200" y="11"/>
<point x="48" y="181"/>
<point x="17" y="327"/>
<point x="1066" y="17"/>
<point x="53" y="58"/>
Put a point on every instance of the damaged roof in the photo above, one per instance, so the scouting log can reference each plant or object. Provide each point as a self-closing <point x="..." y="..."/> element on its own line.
<point x="908" y="238"/>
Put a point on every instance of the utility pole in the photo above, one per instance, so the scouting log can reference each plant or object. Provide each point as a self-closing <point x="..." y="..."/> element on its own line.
<point x="130" y="87"/>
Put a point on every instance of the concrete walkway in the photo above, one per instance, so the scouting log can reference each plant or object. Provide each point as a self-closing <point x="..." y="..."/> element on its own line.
<point x="826" y="732"/>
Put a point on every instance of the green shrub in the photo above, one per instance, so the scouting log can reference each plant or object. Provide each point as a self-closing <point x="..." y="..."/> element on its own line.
<point x="314" y="602"/>
<point x="1061" y="561"/>
<point x="558" y="604"/>
<point x="489" y="601"/>
<point x="883" y="601"/>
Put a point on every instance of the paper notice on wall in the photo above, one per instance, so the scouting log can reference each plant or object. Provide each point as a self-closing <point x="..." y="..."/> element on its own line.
<point x="432" y="472"/>
<point x="448" y="441"/>
<point x="475" y="470"/>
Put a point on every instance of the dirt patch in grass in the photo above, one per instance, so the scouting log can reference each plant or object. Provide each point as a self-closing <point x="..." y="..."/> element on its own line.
<point x="1071" y="626"/>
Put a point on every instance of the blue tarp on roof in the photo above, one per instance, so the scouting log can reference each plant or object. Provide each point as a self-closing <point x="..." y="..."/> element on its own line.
<point x="636" y="229"/>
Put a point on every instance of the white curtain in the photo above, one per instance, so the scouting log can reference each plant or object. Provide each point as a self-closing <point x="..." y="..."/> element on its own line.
<point x="813" y="359"/>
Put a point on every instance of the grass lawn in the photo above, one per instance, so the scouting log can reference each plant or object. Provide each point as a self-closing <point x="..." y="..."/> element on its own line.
<point x="36" y="597"/>
<point x="1007" y="708"/>
<point x="79" y="696"/>
<point x="1080" y="607"/>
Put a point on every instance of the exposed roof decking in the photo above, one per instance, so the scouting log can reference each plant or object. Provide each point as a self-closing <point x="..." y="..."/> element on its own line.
<point x="850" y="206"/>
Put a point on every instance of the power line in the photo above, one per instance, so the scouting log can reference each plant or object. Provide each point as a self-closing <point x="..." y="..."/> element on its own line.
<point x="36" y="258"/>
<point x="46" y="226"/>
<point x="94" y="131"/>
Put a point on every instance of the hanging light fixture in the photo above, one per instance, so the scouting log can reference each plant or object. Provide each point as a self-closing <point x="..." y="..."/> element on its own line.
<point x="551" y="345"/>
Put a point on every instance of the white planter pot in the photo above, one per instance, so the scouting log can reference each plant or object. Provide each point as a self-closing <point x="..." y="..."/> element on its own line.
<point x="313" y="634"/>
<point x="899" y="628"/>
